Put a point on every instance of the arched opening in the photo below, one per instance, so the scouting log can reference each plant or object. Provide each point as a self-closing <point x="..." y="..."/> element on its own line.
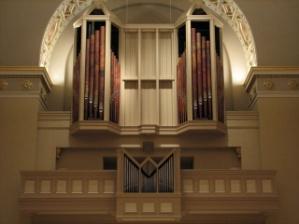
<point x="239" y="49"/>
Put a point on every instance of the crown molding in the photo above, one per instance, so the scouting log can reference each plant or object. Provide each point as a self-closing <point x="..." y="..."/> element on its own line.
<point x="27" y="72"/>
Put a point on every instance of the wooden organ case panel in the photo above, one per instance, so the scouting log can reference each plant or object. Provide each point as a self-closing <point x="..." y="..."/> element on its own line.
<point x="148" y="78"/>
<point x="96" y="83"/>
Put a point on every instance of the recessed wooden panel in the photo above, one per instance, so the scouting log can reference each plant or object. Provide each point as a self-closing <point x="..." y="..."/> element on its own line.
<point x="148" y="54"/>
<point x="166" y="103"/>
<point x="77" y="186"/>
<point x="93" y="186"/>
<point x="165" y="55"/>
<point x="61" y="186"/>
<point x="131" y="54"/>
<point x="235" y="186"/>
<point x="45" y="186"/>
<point x="131" y="103"/>
<point x="219" y="186"/>
<point x="251" y="186"/>
<point x="148" y="207"/>
<point x="109" y="186"/>
<point x="204" y="186"/>
<point x="267" y="186"/>
<point x="188" y="186"/>
<point x="166" y="207"/>
<point x="130" y="207"/>
<point x="29" y="186"/>
<point x="149" y="102"/>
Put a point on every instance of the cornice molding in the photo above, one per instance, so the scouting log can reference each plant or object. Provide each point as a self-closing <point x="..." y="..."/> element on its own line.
<point x="27" y="72"/>
<point x="272" y="82"/>
<point x="269" y="71"/>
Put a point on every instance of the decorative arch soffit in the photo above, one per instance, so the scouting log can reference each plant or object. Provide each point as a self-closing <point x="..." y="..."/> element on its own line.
<point x="226" y="9"/>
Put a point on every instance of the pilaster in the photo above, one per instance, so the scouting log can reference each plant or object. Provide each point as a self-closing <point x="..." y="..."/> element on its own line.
<point x="23" y="93"/>
<point x="274" y="93"/>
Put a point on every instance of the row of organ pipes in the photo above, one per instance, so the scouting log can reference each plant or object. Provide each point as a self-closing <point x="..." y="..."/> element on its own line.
<point x="148" y="177"/>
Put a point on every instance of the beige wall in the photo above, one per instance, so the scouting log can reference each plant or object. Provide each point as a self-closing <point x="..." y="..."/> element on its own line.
<point x="279" y="137"/>
<point x="274" y="24"/>
<point x="18" y="137"/>
<point x="22" y="25"/>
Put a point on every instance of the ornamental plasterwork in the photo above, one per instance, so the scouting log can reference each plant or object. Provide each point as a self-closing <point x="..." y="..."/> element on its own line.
<point x="28" y="84"/>
<point x="268" y="84"/>
<point x="233" y="15"/>
<point x="293" y="84"/>
<point x="3" y="84"/>
<point x="227" y="9"/>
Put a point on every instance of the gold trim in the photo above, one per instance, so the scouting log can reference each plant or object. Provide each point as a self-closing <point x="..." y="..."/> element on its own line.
<point x="28" y="84"/>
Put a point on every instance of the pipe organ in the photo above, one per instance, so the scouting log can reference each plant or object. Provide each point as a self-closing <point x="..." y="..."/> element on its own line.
<point x="148" y="175"/>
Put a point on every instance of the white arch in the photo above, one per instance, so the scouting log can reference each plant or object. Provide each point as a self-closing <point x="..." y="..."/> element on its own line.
<point x="226" y="9"/>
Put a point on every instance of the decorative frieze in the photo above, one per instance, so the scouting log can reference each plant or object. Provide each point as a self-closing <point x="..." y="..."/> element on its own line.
<point x="23" y="81"/>
<point x="272" y="82"/>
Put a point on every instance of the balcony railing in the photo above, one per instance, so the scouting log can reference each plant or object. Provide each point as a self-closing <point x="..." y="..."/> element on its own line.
<point x="68" y="191"/>
<point x="202" y="192"/>
<point x="228" y="191"/>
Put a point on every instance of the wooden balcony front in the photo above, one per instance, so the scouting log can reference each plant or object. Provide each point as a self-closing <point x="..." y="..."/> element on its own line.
<point x="205" y="195"/>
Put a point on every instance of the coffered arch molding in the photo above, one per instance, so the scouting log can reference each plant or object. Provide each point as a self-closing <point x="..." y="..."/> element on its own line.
<point x="228" y="10"/>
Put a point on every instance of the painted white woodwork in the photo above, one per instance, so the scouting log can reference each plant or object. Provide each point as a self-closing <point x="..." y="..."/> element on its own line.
<point x="148" y="207"/>
<point x="204" y="186"/>
<point x="45" y="186"/>
<point x="251" y="186"/>
<point x="148" y="101"/>
<point x="201" y="198"/>
<point x="131" y="104"/>
<point x="29" y="186"/>
<point x="267" y="186"/>
<point x="166" y="101"/>
<point x="219" y="186"/>
<point x="93" y="187"/>
<point x="235" y="186"/>
<point x="148" y="55"/>
<point x="77" y="186"/>
<point x="131" y="55"/>
<point x="109" y="186"/>
<point x="166" y="207"/>
<point x="231" y="181"/>
<point x="68" y="182"/>
<point x="188" y="186"/>
<point x="130" y="207"/>
<point x="61" y="186"/>
<point x="165" y="55"/>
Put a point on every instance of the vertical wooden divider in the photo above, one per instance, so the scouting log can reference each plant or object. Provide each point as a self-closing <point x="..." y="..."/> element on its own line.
<point x="157" y="79"/>
<point x="173" y="73"/>
<point x="177" y="172"/>
<point x="213" y="71"/>
<point x="120" y="172"/>
<point x="139" y="77"/>
<point x="82" y="71"/>
<point x="188" y="71"/>
<point x="107" y="71"/>
<point x="122" y="83"/>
